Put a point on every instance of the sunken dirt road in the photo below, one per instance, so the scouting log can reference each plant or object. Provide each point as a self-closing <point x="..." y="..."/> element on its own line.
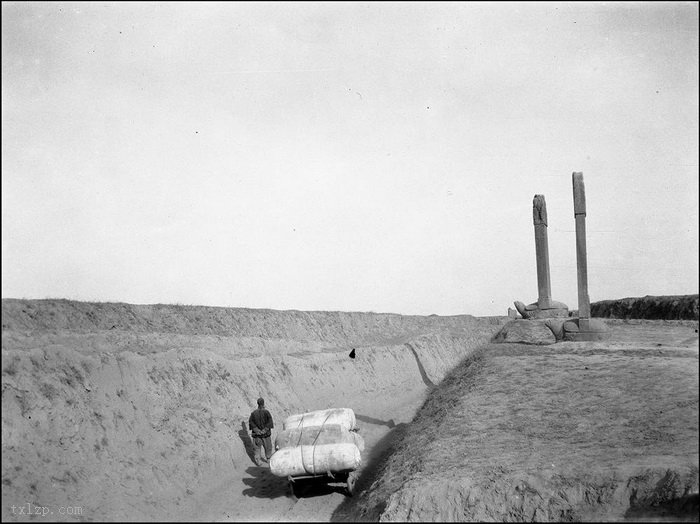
<point x="138" y="413"/>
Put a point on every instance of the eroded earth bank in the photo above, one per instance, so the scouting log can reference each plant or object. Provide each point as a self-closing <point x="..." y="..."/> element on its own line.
<point x="139" y="413"/>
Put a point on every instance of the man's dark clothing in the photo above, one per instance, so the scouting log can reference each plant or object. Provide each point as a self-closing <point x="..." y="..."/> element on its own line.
<point x="260" y="424"/>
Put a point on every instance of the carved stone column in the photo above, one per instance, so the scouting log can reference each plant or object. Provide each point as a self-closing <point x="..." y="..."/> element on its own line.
<point x="584" y="302"/>
<point x="584" y="327"/>
<point x="545" y="307"/>
<point x="539" y="219"/>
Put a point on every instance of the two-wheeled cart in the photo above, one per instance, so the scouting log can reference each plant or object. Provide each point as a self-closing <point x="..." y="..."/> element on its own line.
<point x="319" y="447"/>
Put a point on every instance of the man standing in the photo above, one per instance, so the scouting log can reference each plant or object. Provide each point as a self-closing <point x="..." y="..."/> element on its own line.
<point x="260" y="424"/>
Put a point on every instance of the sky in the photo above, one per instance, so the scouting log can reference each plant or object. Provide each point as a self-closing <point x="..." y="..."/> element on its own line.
<point x="359" y="156"/>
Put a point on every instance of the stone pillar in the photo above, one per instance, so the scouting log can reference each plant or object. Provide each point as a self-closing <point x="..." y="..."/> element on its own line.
<point x="583" y="328"/>
<point x="584" y="302"/>
<point x="539" y="219"/>
<point x="545" y="307"/>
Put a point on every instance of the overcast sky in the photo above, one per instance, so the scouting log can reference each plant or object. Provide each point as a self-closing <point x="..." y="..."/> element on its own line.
<point x="346" y="156"/>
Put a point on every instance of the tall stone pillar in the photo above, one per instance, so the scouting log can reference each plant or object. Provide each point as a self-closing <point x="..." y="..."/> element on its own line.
<point x="539" y="219"/>
<point x="584" y="302"/>
<point x="584" y="327"/>
<point x="545" y="307"/>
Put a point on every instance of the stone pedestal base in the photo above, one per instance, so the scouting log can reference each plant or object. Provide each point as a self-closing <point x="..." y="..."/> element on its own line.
<point x="554" y="310"/>
<point x="590" y="329"/>
<point x="526" y="331"/>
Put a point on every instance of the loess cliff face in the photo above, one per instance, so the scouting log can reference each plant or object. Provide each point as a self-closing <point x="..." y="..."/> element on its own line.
<point x="125" y="410"/>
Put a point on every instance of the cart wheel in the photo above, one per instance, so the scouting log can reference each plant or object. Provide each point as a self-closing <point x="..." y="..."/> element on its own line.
<point x="352" y="476"/>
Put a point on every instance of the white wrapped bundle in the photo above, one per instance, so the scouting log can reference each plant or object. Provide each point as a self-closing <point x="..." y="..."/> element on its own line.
<point x="318" y="435"/>
<point x="343" y="416"/>
<point x="315" y="460"/>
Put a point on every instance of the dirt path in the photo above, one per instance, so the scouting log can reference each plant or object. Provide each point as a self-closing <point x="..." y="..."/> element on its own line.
<point x="254" y="494"/>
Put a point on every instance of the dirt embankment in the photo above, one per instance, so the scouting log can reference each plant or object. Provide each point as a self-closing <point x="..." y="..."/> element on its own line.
<point x="673" y="307"/>
<point x="134" y="412"/>
<point x="587" y="431"/>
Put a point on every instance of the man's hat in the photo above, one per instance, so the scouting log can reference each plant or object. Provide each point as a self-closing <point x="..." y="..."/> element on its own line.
<point x="261" y="402"/>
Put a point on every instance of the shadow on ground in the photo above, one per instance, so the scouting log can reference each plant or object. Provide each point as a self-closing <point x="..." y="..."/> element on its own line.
<point x="377" y="422"/>
<point x="683" y="509"/>
<point x="308" y="488"/>
<point x="247" y="442"/>
<point x="263" y="484"/>
<point x="348" y="511"/>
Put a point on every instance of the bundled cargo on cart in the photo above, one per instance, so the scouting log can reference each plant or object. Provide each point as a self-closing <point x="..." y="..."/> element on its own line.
<point x="323" y="444"/>
<point x="318" y="435"/>
<point x="343" y="416"/>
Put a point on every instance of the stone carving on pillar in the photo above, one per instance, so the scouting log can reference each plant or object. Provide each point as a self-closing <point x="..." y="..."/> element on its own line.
<point x="545" y="307"/>
<point x="584" y="327"/>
